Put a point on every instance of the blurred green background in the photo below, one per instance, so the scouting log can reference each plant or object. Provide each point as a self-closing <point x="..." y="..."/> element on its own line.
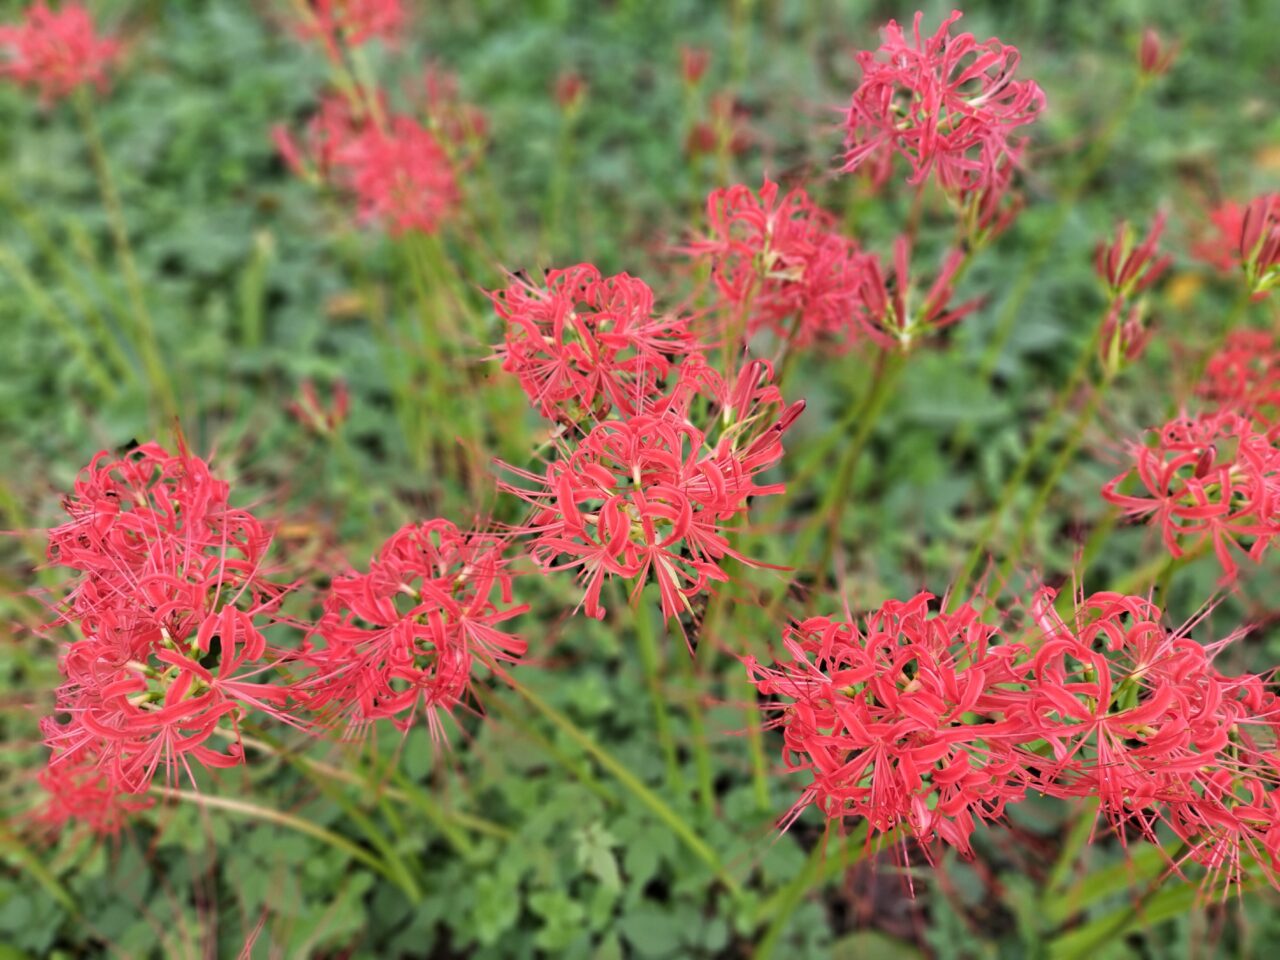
<point x="256" y="285"/>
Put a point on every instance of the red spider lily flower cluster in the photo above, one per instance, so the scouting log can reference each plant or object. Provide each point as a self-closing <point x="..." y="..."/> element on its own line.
<point x="56" y="52"/>
<point x="947" y="104"/>
<point x="351" y="23"/>
<point x="693" y="64"/>
<point x="1245" y="237"/>
<point x="399" y="173"/>
<point x="1138" y="717"/>
<point x="888" y="315"/>
<point x="778" y="261"/>
<point x="170" y="588"/>
<point x="403" y="637"/>
<point x="928" y="724"/>
<point x="649" y="496"/>
<point x="583" y="344"/>
<point x="1214" y="478"/>
<point x="1243" y="375"/>
<point x="882" y="717"/>
<point x="401" y="176"/>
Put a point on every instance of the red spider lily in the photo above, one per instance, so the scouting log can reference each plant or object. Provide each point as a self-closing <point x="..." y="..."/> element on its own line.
<point x="947" y="105"/>
<point x="170" y="582"/>
<point x="887" y="313"/>
<point x="1155" y="54"/>
<point x="1260" y="244"/>
<point x="693" y="64"/>
<point x="649" y="497"/>
<point x="79" y="792"/>
<point x="1137" y="716"/>
<point x="352" y="23"/>
<point x="1243" y="377"/>
<point x="901" y="721"/>
<point x="328" y="137"/>
<point x="778" y="262"/>
<point x="461" y="126"/>
<point x="724" y="131"/>
<point x="402" y="637"/>
<point x="582" y="344"/>
<point x="309" y="411"/>
<point x="1245" y="238"/>
<point x="1211" y="478"/>
<point x="56" y="52"/>
<point x="401" y="176"/>
<point x="1124" y="337"/>
<point x="1128" y="269"/>
<point x="570" y="91"/>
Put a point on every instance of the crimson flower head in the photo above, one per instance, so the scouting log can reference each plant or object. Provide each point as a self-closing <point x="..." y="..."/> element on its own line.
<point x="693" y="64"/>
<point x="570" y="91"/>
<point x="352" y="23"/>
<point x="900" y="720"/>
<point x="56" y="51"/>
<point x="650" y="496"/>
<point x="782" y="261"/>
<point x="403" y="637"/>
<point x="1137" y="716"/>
<point x="461" y="125"/>
<point x="1128" y="268"/>
<point x="888" y="312"/>
<point x="583" y="344"/>
<point x="1245" y="237"/>
<point x="1243" y="376"/>
<point x="947" y="105"/>
<point x="1213" y="478"/>
<point x="170" y="588"/>
<point x="400" y="176"/>
<point x="1155" y="53"/>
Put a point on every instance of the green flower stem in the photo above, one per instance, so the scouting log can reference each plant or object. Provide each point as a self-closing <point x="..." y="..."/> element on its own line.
<point x="1079" y="834"/>
<point x="651" y="661"/>
<point x="821" y="866"/>
<point x="655" y="804"/>
<point x="1047" y="237"/>
<point x="864" y="417"/>
<point x="1040" y="439"/>
<point x="1083" y="419"/>
<point x="143" y="331"/>
<point x="255" y="811"/>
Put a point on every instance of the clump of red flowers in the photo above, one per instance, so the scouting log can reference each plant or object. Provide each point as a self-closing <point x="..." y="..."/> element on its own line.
<point x="1245" y="238"/>
<point x="170" y="593"/>
<point x="398" y="172"/>
<point x="1243" y="375"/>
<point x="888" y="312"/>
<point x="583" y="344"/>
<point x="650" y="496"/>
<point x="948" y="105"/>
<point x="402" y="639"/>
<point x="779" y="261"/>
<point x="57" y="51"/>
<point x="899" y="721"/>
<point x="1213" y="479"/>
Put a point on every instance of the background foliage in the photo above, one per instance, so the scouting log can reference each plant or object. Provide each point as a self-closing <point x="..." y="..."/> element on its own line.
<point x="256" y="285"/>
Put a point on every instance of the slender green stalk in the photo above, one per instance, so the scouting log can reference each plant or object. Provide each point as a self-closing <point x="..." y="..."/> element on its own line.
<point x="66" y="330"/>
<point x="1047" y="237"/>
<point x="143" y="328"/>
<point x="1083" y="419"/>
<point x="255" y="811"/>
<point x="1079" y="834"/>
<point x="1044" y="433"/>
<point x="700" y="746"/>
<point x="655" y="804"/>
<point x="651" y="661"/>
<point x="822" y="864"/>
